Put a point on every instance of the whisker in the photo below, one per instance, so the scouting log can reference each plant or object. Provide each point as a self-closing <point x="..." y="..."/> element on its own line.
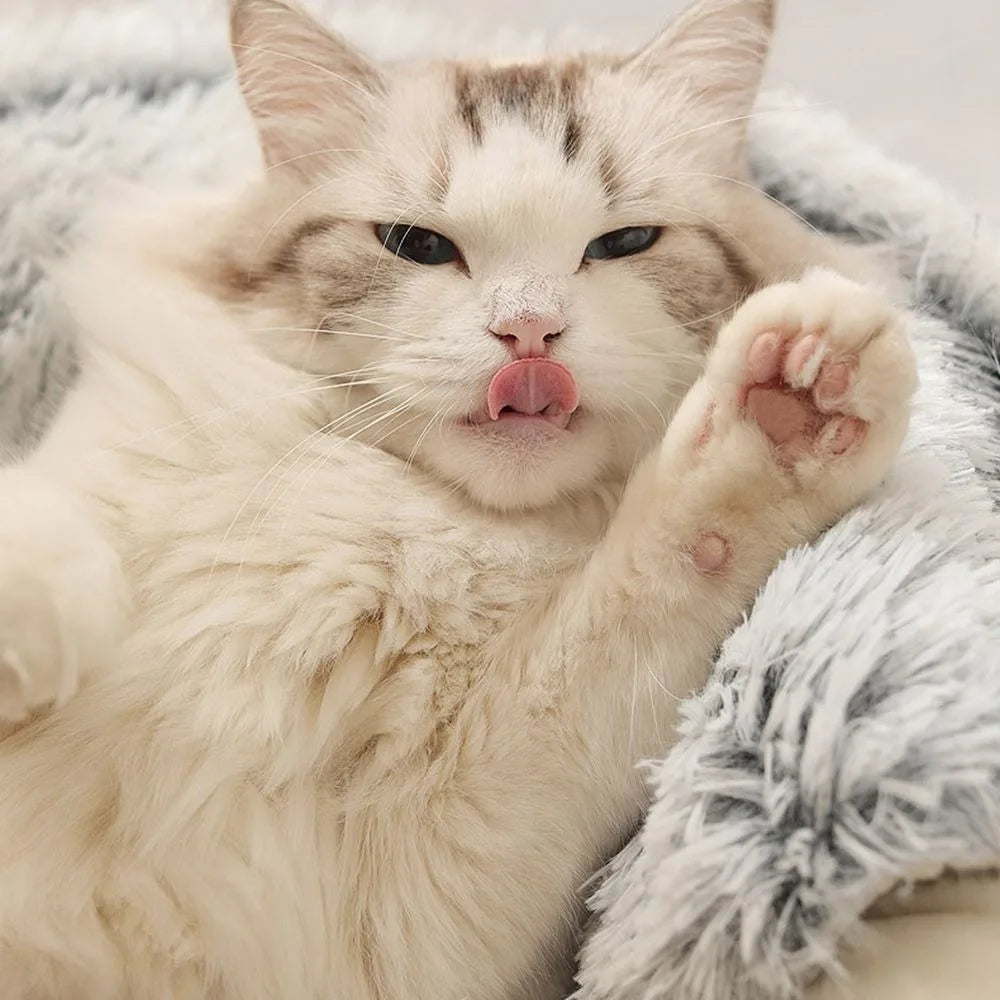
<point x="316" y="152"/>
<point x="383" y="248"/>
<point x="691" y="359"/>
<point x="631" y="409"/>
<point x="678" y="353"/>
<point x="354" y="381"/>
<point x="395" y="429"/>
<point x="443" y="184"/>
<point x="297" y="448"/>
<point x="306" y="475"/>
<point x="311" y="346"/>
<point x="751" y="187"/>
<point x="352" y="414"/>
<point x="385" y="326"/>
<point x="318" y="461"/>
<point x="438" y="413"/>
<point x="270" y="229"/>
<point x="320" y="383"/>
<point x="657" y="410"/>
<point x="656" y="680"/>
<point x="325" y="70"/>
<point x="309" y="329"/>
<point x="712" y="315"/>
<point x="718" y="123"/>
<point x="712" y="222"/>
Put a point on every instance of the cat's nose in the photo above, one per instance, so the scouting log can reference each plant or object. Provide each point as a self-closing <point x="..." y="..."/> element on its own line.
<point x="529" y="336"/>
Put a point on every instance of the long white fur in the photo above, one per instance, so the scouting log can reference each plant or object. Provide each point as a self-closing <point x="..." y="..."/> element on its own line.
<point x="309" y="719"/>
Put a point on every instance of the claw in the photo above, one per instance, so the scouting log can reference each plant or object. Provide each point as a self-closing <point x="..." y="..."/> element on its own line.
<point x="804" y="360"/>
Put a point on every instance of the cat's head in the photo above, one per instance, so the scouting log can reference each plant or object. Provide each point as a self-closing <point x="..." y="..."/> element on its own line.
<point x="518" y="266"/>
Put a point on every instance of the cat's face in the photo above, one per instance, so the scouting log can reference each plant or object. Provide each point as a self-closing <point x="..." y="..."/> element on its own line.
<point x="518" y="266"/>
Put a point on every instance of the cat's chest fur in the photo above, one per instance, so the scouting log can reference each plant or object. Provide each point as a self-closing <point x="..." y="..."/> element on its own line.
<point x="382" y="568"/>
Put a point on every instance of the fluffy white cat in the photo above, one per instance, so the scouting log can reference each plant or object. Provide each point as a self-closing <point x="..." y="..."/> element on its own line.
<point x="399" y="499"/>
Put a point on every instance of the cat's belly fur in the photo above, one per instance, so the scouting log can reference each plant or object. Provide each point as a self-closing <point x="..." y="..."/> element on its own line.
<point x="198" y="868"/>
<point x="210" y="810"/>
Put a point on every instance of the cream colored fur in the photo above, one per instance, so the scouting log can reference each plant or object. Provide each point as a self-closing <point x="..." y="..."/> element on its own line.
<point x="353" y="715"/>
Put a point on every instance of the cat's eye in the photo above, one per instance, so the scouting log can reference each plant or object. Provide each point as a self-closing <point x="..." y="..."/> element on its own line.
<point x="422" y="246"/>
<point x="622" y="242"/>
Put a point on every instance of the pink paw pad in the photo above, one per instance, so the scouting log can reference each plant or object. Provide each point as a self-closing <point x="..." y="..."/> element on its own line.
<point x="795" y="393"/>
<point x="710" y="553"/>
<point x="764" y="357"/>
<point x="834" y="381"/>
<point x="705" y="434"/>
<point x="784" y="415"/>
<point x="844" y="434"/>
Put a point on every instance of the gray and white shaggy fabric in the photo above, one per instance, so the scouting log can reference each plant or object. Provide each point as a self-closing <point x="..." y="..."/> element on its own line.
<point x="848" y="740"/>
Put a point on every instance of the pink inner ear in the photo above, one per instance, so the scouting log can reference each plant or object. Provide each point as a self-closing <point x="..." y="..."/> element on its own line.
<point x="308" y="89"/>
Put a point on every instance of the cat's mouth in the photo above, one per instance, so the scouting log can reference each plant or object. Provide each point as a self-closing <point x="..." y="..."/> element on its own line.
<point x="531" y="392"/>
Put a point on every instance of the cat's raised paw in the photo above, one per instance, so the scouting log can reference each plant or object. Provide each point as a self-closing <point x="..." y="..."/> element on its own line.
<point x="821" y="366"/>
<point x="794" y="392"/>
<point x="806" y="391"/>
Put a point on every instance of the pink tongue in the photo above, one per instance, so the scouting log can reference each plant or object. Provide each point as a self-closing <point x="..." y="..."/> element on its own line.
<point x="531" y="386"/>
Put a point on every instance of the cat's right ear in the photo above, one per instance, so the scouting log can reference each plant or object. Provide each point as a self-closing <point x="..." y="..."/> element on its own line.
<point x="310" y="92"/>
<point x="713" y="54"/>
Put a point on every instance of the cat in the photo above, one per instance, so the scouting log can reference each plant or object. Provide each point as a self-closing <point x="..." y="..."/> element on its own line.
<point x="399" y="499"/>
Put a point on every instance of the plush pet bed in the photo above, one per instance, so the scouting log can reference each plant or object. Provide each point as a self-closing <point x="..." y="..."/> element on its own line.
<point x="848" y="740"/>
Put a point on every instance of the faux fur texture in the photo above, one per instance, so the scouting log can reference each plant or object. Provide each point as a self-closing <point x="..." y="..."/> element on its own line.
<point x="850" y="736"/>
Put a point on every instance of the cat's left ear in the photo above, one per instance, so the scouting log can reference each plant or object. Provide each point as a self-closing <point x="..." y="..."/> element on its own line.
<point x="714" y="54"/>
<point x="310" y="92"/>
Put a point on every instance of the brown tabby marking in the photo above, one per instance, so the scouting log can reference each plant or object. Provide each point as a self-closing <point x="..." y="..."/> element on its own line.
<point x="322" y="279"/>
<point x="736" y="263"/>
<point x="468" y="111"/>
<point x="611" y="179"/>
<point x="542" y="95"/>
<point x="572" y="137"/>
<point x="286" y="260"/>
<point x="699" y="276"/>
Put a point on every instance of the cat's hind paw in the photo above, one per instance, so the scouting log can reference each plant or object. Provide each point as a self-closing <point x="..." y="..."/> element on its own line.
<point x="61" y="600"/>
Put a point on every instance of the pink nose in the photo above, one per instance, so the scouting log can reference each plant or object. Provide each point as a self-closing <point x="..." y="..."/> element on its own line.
<point x="529" y="336"/>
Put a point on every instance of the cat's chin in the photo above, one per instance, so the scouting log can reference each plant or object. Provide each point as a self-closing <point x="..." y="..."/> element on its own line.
<point x="520" y="462"/>
<point x="536" y="428"/>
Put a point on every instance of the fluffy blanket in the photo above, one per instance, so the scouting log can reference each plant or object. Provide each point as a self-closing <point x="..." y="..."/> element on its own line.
<point x="849" y="737"/>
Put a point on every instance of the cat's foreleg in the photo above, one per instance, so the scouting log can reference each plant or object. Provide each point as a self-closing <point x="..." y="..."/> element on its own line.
<point x="800" y="412"/>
